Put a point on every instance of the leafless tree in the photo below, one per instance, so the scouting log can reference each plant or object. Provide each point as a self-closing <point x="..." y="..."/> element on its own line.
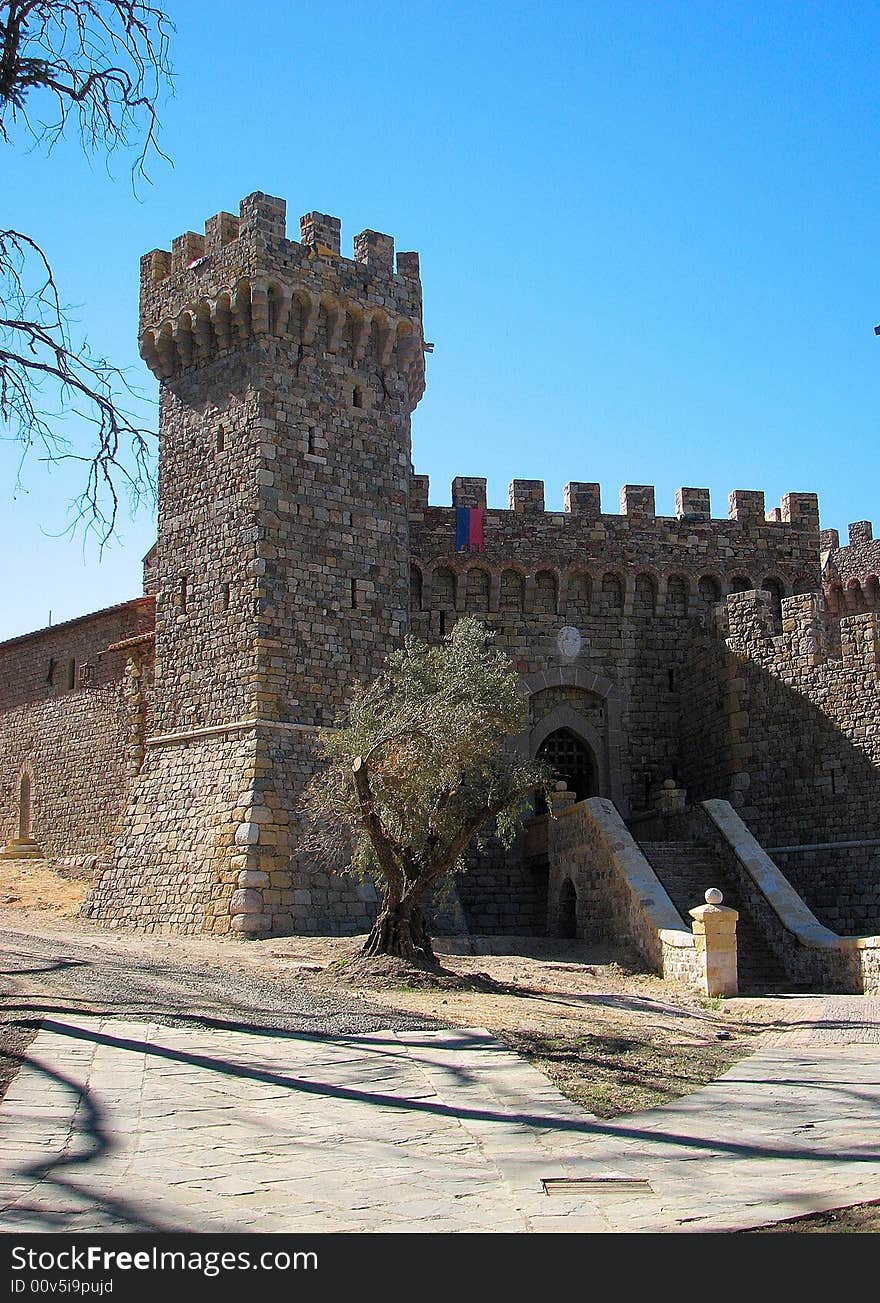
<point x="94" y="68"/>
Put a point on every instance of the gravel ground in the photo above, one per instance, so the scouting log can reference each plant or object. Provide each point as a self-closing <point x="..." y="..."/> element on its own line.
<point x="131" y="978"/>
<point x="54" y="966"/>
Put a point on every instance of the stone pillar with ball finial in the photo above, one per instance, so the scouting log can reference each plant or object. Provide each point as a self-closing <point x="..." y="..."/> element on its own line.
<point x="715" y="941"/>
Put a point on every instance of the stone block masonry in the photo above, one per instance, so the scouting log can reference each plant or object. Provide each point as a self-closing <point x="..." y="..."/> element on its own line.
<point x="288" y="374"/>
<point x="784" y="726"/>
<point x="632" y="584"/>
<point x="75" y="703"/>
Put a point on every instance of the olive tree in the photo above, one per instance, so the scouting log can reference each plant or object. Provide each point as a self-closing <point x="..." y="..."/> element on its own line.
<point x="422" y="767"/>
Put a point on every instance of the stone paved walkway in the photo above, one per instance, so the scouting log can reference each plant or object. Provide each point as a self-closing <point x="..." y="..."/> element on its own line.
<point x="124" y="1126"/>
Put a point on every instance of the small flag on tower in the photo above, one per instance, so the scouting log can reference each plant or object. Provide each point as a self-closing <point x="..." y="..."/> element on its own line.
<point x="469" y="529"/>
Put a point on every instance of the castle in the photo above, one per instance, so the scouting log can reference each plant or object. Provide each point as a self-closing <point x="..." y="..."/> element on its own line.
<point x="162" y="743"/>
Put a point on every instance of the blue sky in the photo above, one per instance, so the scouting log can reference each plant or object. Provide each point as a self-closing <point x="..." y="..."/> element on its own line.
<point x="648" y="235"/>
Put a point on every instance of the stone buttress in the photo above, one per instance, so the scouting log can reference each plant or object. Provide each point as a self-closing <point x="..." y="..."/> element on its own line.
<point x="288" y="374"/>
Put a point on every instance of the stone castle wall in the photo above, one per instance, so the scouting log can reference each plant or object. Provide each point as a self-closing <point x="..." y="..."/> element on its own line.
<point x="851" y="574"/>
<point x="296" y="546"/>
<point x="783" y="728"/>
<point x="631" y="584"/>
<point x="73" y="723"/>
<point x="841" y="884"/>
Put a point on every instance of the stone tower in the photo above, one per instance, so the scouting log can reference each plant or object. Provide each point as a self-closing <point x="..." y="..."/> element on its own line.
<point x="288" y="375"/>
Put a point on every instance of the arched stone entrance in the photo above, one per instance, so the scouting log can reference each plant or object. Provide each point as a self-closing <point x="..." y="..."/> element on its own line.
<point x="24" y="808"/>
<point x="586" y="704"/>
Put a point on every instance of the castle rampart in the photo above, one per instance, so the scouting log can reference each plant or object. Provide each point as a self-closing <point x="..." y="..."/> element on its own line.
<point x="784" y="723"/>
<point x="851" y="574"/>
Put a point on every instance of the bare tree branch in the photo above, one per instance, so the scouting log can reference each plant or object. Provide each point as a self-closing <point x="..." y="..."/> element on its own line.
<point x="98" y="67"/>
<point x="43" y="379"/>
<point x="103" y="63"/>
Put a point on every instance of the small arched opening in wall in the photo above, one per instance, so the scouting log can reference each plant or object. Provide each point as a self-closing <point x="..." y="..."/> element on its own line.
<point x="645" y="595"/>
<point x="855" y="601"/>
<point x="709" y="588"/>
<point x="566" y="919"/>
<point x="512" y="590"/>
<point x="804" y="584"/>
<point x="25" y="795"/>
<point x="546" y="593"/>
<point x="677" y="595"/>
<point x="611" y="594"/>
<point x="579" y="595"/>
<point x="835" y="599"/>
<point x="872" y="592"/>
<point x="477" y="589"/>
<point x="776" y="588"/>
<point x="443" y="588"/>
<point x="741" y="584"/>
<point x="415" y="588"/>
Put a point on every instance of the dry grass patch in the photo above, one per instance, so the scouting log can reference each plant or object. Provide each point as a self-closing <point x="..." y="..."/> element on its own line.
<point x="610" y="1036"/>
<point x="38" y="884"/>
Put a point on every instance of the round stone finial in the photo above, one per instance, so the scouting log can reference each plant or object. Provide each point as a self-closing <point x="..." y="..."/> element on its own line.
<point x="714" y="896"/>
<point x="561" y="787"/>
<point x="669" y="784"/>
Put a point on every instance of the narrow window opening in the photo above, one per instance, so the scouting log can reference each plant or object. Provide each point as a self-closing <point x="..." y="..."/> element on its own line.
<point x="833" y="782"/>
<point x="647" y="782"/>
<point x="184" y="586"/>
<point x="312" y="440"/>
<point x="354" y="594"/>
<point x="671" y="680"/>
<point x="221" y="439"/>
<point x="225" y="597"/>
<point x="357" y="397"/>
<point x="442" y="624"/>
<point x="50" y="676"/>
<point x="71" y="675"/>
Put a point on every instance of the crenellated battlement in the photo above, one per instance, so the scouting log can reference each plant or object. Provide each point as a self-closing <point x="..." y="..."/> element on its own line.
<point x="800" y="511"/>
<point x="799" y="639"/>
<point x="634" y="560"/>
<point x="244" y="280"/>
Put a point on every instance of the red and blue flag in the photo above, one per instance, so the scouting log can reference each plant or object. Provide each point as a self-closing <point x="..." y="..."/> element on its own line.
<point x="469" y="529"/>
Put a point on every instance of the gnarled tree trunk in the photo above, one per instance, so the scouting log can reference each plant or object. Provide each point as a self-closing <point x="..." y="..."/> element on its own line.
<point x="401" y="930"/>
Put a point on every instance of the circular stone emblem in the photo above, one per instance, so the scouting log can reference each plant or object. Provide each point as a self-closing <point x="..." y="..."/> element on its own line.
<point x="569" y="641"/>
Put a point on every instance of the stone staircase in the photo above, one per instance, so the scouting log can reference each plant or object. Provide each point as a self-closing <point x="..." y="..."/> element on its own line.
<point x="21" y="848"/>
<point x="686" y="869"/>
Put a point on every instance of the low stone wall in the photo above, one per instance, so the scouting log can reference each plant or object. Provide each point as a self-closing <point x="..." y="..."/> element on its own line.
<point x="808" y="951"/>
<point x="618" y="895"/>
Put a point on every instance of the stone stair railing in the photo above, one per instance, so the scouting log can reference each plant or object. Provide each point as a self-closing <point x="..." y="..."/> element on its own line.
<point x="687" y="869"/>
<point x="808" y="952"/>
<point x="619" y="896"/>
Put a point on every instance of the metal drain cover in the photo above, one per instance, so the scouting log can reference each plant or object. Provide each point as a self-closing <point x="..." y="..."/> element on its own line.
<point x="594" y="1186"/>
